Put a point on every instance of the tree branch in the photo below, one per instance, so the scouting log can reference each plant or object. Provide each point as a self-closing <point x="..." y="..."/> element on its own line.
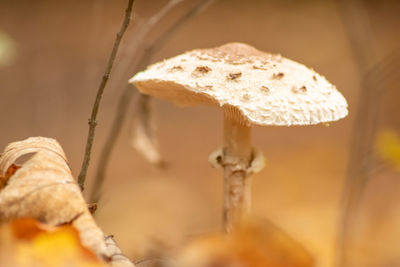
<point x="105" y="154"/>
<point x="96" y="105"/>
<point x="144" y="61"/>
<point x="357" y="25"/>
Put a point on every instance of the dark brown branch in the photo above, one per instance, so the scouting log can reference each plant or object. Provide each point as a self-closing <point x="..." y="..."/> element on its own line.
<point x="144" y="60"/>
<point x="96" y="105"/>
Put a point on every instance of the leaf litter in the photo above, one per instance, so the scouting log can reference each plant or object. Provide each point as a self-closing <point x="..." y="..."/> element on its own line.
<point x="43" y="188"/>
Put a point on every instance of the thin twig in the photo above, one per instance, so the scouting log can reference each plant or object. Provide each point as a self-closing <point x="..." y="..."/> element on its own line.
<point x="162" y="39"/>
<point x="385" y="72"/>
<point x="136" y="42"/>
<point x="96" y="105"/>
<point x="144" y="61"/>
<point x="360" y="35"/>
<point x="105" y="155"/>
<point x="123" y="105"/>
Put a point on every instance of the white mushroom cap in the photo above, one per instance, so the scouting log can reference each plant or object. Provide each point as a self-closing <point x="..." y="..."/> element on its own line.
<point x="253" y="87"/>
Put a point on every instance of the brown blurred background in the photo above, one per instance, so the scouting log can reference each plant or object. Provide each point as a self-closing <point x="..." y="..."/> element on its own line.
<point x="57" y="52"/>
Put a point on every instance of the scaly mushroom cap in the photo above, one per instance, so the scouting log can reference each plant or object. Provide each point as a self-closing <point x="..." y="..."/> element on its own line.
<point x="253" y="87"/>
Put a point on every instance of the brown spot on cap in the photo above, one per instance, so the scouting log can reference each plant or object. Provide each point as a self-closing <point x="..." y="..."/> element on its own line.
<point x="265" y="89"/>
<point x="278" y="75"/>
<point x="246" y="97"/>
<point x="259" y="67"/>
<point x="255" y="102"/>
<point x="234" y="76"/>
<point x="202" y="69"/>
<point x="175" y="68"/>
<point x="302" y="89"/>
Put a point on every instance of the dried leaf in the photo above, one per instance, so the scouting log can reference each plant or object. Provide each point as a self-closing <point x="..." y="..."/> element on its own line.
<point x="388" y="147"/>
<point x="44" y="189"/>
<point x="10" y="171"/>
<point x="144" y="138"/>
<point x="27" y="229"/>
<point x="41" y="186"/>
<point x="30" y="243"/>
<point x="155" y="263"/>
<point x="117" y="259"/>
<point x="253" y="244"/>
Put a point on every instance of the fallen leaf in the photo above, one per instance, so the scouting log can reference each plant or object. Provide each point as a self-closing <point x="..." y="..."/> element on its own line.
<point x="388" y="147"/>
<point x="27" y="229"/>
<point x="30" y="243"/>
<point x="11" y="170"/>
<point x="44" y="189"/>
<point x="144" y="137"/>
<point x="254" y="243"/>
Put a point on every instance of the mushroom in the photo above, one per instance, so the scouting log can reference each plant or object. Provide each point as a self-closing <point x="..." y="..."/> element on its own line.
<point x="252" y="88"/>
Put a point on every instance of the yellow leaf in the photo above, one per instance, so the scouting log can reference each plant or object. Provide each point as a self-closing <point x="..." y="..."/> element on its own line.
<point x="43" y="188"/>
<point x="34" y="244"/>
<point x="388" y="147"/>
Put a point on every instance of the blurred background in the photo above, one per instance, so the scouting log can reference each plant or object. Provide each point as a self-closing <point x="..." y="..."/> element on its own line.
<point x="317" y="178"/>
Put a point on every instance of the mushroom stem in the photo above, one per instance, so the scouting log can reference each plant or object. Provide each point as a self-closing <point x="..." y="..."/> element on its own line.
<point x="237" y="153"/>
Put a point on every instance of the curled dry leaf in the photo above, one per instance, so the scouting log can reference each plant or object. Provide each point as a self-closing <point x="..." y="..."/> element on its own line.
<point x="254" y="243"/>
<point x="118" y="259"/>
<point x="11" y="170"/>
<point x="44" y="189"/>
<point x="144" y="138"/>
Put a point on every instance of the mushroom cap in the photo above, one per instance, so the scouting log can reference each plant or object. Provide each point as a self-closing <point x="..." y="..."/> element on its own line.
<point x="253" y="87"/>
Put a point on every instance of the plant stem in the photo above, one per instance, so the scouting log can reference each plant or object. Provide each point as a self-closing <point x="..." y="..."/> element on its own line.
<point x="96" y="105"/>
<point x="144" y="60"/>
<point x="123" y="105"/>
<point x="237" y="154"/>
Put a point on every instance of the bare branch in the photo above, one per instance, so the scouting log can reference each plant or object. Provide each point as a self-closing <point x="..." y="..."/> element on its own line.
<point x="360" y="35"/>
<point x="105" y="155"/>
<point x="144" y="60"/>
<point x="385" y="72"/>
<point x="137" y="40"/>
<point x="96" y="105"/>
<point x="162" y="39"/>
